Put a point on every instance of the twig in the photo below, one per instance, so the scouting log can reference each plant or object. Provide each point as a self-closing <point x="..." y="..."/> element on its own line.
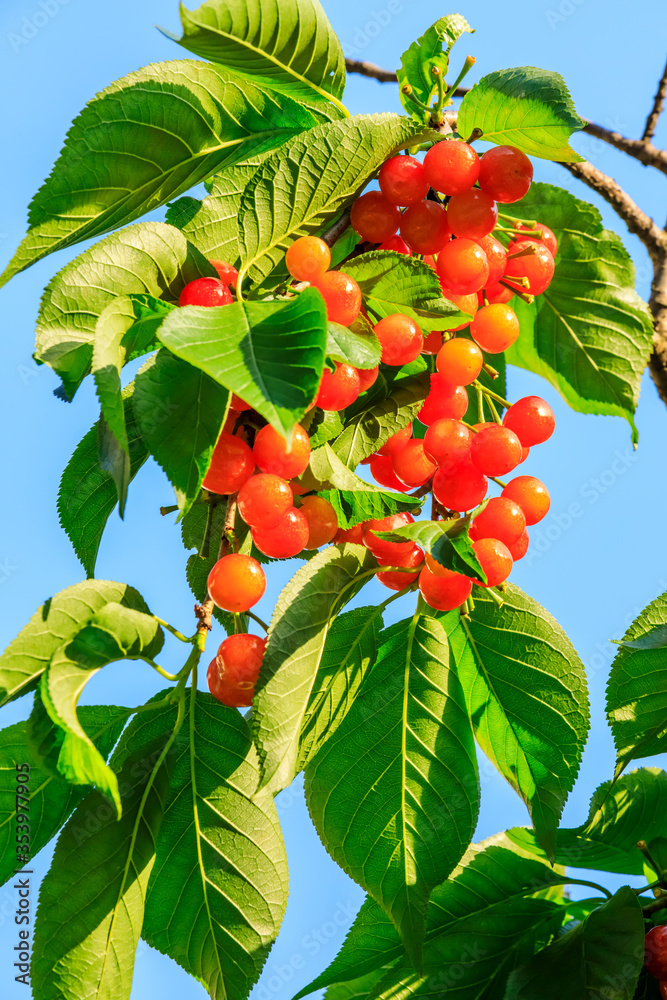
<point x="337" y="229"/>
<point x="204" y="612"/>
<point x="658" y="105"/>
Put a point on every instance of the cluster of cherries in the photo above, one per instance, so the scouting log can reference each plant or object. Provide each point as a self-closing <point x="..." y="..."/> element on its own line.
<point x="655" y="956"/>
<point x="446" y="211"/>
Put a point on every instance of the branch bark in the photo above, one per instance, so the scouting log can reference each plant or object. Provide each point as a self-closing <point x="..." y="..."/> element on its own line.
<point x="658" y="105"/>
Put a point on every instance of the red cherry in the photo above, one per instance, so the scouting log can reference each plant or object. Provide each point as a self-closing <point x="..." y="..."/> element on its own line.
<point x="264" y="499"/>
<point x="502" y="519"/>
<point x="322" y="521"/>
<point x="236" y="583"/>
<point x="531" y="495"/>
<point x="443" y="400"/>
<point x="403" y="181"/>
<point x="374" y="218"/>
<point x="451" y="167"/>
<point x="233" y="673"/>
<point x="382" y="471"/>
<point x="338" y="389"/>
<point x="447" y="443"/>
<point x="520" y="547"/>
<point x="537" y="267"/>
<point x="459" y="361"/>
<point x="495" y="560"/>
<point x="432" y="342"/>
<point x="342" y="296"/>
<point x="226" y="272"/>
<point x="424" y="227"/>
<point x="353" y="535"/>
<point x="472" y="214"/>
<point x="367" y="377"/>
<point x="505" y="173"/>
<point x="400" y="338"/>
<point x="495" y="328"/>
<point x="496" y="293"/>
<point x="532" y="420"/>
<point x="548" y="237"/>
<point x="272" y="453"/>
<point x="444" y="590"/>
<point x="232" y="464"/>
<point x="205" y="292"/>
<point x="466" y="303"/>
<point x="239" y="404"/>
<point x="308" y="258"/>
<point x="388" y="553"/>
<point x="461" y="490"/>
<point x="397" y="581"/>
<point x="655" y="952"/>
<point x="284" y="539"/>
<point x="495" y="450"/>
<point x="396" y="442"/>
<point x="412" y="465"/>
<point x="496" y="255"/>
<point x="462" y="267"/>
<point x="397" y="244"/>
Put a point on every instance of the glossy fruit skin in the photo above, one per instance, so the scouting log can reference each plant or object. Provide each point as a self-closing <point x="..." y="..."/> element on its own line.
<point x="472" y="214"/>
<point x="205" y="292"/>
<point x="338" y="389"/>
<point x="400" y="338"/>
<point x="502" y="519"/>
<point x="232" y="465"/>
<point x="495" y="450"/>
<point x="447" y="443"/>
<point x="549" y="238"/>
<point x="342" y="296"/>
<point x="264" y="499"/>
<point x="496" y="293"/>
<point x="374" y="218"/>
<point x="284" y="539"/>
<point x="322" y="521"/>
<point x="402" y="180"/>
<point x="233" y="673"/>
<point x="462" y="267"/>
<point x="451" y="166"/>
<point x="412" y="466"/>
<point x="396" y="442"/>
<point x="505" y="174"/>
<point x="425" y="228"/>
<point x="353" y="535"/>
<point x="496" y="255"/>
<point x="538" y="267"/>
<point x="461" y="490"/>
<point x="495" y="327"/>
<point x="445" y="590"/>
<point x="443" y="400"/>
<point x="531" y="495"/>
<point x="466" y="303"/>
<point x="432" y="342"/>
<point x="532" y="420"/>
<point x="308" y="258"/>
<point x="397" y="244"/>
<point x="397" y="581"/>
<point x="520" y="547"/>
<point x="495" y="559"/>
<point x="655" y="952"/>
<point x="272" y="454"/>
<point x="239" y="404"/>
<point x="388" y="553"/>
<point x="459" y="361"/>
<point x="382" y="471"/>
<point x="367" y="377"/>
<point x="226" y="272"/>
<point x="236" y="583"/>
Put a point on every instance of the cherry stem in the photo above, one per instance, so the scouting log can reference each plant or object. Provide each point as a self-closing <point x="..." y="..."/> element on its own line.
<point x="643" y="847"/>
<point x="493" y="395"/>
<point x="652" y="885"/>
<point x="491" y="372"/>
<point x="529" y="299"/>
<point x="407" y="90"/>
<point x="531" y="223"/>
<point x="174" y="631"/>
<point x="168" y="510"/>
<point x="528" y="251"/>
<point x="259" y="621"/>
<point x="467" y="66"/>
<point x="498" y="482"/>
<point x="494" y="412"/>
<point x="163" y="673"/>
<point x="496" y="597"/>
<point x="437" y="113"/>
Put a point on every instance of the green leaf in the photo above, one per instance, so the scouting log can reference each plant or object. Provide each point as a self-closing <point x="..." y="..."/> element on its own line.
<point x="400" y="284"/>
<point x="374" y="425"/>
<point x="180" y="412"/>
<point x="602" y="956"/>
<point x="149" y="258"/>
<point x="356" y="346"/>
<point x="270" y="353"/>
<point x="114" y="632"/>
<point x="91" y="903"/>
<point x="223" y="842"/>
<point x="198" y="566"/>
<point x="637" y="690"/>
<point x="302" y="619"/>
<point x="431" y="50"/>
<point x="56" y="622"/>
<point x="621" y="813"/>
<point x="310" y="180"/>
<point x="292" y="49"/>
<point x="525" y="689"/>
<point x="51" y="798"/>
<point x="182" y="120"/>
<point x="447" y="541"/>
<point x="590" y="334"/>
<point x="401" y="767"/>
<point x="322" y="426"/>
<point x="525" y="107"/>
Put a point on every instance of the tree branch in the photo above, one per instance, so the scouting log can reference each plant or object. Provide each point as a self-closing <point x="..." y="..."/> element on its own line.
<point x="658" y="105"/>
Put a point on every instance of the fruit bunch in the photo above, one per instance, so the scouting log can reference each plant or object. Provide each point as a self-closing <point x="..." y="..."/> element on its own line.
<point x="444" y="209"/>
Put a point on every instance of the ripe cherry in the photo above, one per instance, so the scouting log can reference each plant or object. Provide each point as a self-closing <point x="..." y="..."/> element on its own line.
<point x="398" y="580"/>
<point x="232" y="464"/>
<point x="459" y="361"/>
<point x="400" y="338"/>
<point x="462" y="267"/>
<point x="233" y="673"/>
<point x="342" y="296"/>
<point x="466" y="303"/>
<point x="531" y="495"/>
<point x="451" y="167"/>
<point x="272" y="453"/>
<point x="403" y="181"/>
<point x="284" y="539"/>
<point x="397" y="244"/>
<point x="495" y="560"/>
<point x="548" y="236"/>
<point x="308" y="258"/>
<point x="322" y="521"/>
<point x="367" y="377"/>
<point x="495" y="328"/>
<point x="655" y="952"/>
<point x="444" y="400"/>
<point x="496" y="255"/>
<point x="353" y="535"/>
<point x="432" y="342"/>
<point x="411" y="464"/>
<point x="239" y="404"/>
<point x="495" y="450"/>
<point x="226" y="272"/>
<point x="502" y="519"/>
<point x="375" y="218"/>
<point x="396" y="442"/>
<point x="447" y="443"/>
<point x="338" y="389"/>
<point x="205" y="292"/>
<point x="388" y="553"/>
<point x="382" y="471"/>
<point x="424" y="227"/>
<point x="495" y="292"/>
<point x="443" y="590"/>
<point x="264" y="499"/>
<point x="236" y="583"/>
<point x="472" y="214"/>
<point x="460" y="490"/>
<point x="520" y="547"/>
<point x="537" y="267"/>
<point x="532" y="420"/>
<point x="505" y="173"/>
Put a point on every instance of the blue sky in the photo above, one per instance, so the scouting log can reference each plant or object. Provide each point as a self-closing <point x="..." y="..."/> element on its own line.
<point x="597" y="559"/>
